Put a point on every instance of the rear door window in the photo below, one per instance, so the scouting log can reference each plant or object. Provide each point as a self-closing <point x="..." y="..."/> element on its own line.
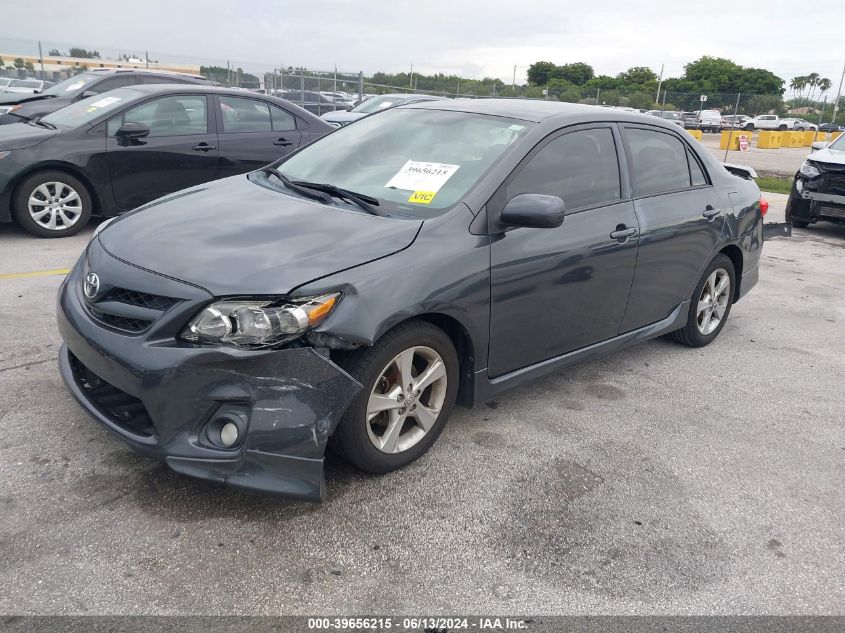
<point x="245" y="115"/>
<point x="660" y="162"/>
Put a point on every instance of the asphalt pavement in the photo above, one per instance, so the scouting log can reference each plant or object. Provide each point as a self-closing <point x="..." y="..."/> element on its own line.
<point x="657" y="480"/>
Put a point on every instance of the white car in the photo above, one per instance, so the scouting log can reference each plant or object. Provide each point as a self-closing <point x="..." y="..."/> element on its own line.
<point x="27" y="86"/>
<point x="769" y="122"/>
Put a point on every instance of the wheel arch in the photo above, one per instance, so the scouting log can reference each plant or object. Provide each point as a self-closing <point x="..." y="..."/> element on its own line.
<point x="734" y="253"/>
<point x="465" y="348"/>
<point x="71" y="169"/>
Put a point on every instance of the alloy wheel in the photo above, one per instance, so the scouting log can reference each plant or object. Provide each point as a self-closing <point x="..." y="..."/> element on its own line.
<point x="714" y="301"/>
<point x="406" y="399"/>
<point x="55" y="205"/>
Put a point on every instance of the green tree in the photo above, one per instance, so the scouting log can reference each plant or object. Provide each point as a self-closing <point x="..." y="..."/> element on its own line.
<point x="760" y="81"/>
<point x="578" y="73"/>
<point x="81" y="52"/>
<point x="764" y="104"/>
<point x="55" y="52"/>
<point x="29" y="66"/>
<point x="638" y="75"/>
<point x="18" y="63"/>
<point x="539" y="73"/>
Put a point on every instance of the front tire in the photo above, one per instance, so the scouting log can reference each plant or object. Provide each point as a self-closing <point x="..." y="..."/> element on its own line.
<point x="410" y="379"/>
<point x="710" y="305"/>
<point x="52" y="204"/>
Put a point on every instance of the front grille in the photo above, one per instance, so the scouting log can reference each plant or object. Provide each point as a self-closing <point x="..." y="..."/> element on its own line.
<point x="124" y="410"/>
<point x="832" y="179"/>
<point x="121" y="322"/>
<point x="140" y="299"/>
<point x="129" y="310"/>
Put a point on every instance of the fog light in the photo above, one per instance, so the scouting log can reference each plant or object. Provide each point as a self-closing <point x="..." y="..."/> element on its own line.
<point x="229" y="434"/>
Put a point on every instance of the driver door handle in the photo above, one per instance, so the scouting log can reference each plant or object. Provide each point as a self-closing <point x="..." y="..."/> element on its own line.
<point x="622" y="233"/>
<point x="710" y="212"/>
<point x="283" y="142"/>
<point x="203" y="147"/>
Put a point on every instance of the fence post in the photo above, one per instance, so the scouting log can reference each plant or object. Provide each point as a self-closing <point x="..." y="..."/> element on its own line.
<point x="360" y="85"/>
<point x="598" y="92"/>
<point x="319" y="97"/>
<point x="302" y="87"/>
<point x="733" y="125"/>
<point x="821" y="114"/>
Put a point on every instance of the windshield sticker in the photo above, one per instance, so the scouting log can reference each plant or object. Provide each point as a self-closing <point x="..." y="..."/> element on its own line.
<point x="384" y="104"/>
<point x="107" y="101"/>
<point x="420" y="176"/>
<point x="422" y="197"/>
<point x="75" y="86"/>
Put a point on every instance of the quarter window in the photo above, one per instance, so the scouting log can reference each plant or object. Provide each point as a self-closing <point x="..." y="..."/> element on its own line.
<point x="580" y="167"/>
<point x="245" y="115"/>
<point x="661" y="163"/>
<point x="282" y="120"/>
<point x="167" y="116"/>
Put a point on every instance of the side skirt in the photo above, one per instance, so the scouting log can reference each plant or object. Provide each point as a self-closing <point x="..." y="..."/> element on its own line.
<point x="487" y="388"/>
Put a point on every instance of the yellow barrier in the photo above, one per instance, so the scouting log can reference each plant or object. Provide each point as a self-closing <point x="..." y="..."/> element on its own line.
<point x="820" y="137"/>
<point x="734" y="138"/>
<point x="792" y="139"/>
<point x="809" y="137"/>
<point x="695" y="134"/>
<point x="835" y="135"/>
<point x="769" y="139"/>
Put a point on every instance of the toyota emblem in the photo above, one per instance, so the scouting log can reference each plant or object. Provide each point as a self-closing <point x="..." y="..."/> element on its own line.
<point x="92" y="285"/>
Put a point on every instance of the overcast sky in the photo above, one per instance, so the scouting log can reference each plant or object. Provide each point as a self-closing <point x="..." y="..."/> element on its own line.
<point x="474" y="38"/>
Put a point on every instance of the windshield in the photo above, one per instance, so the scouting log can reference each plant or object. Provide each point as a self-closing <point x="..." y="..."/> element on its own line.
<point x="838" y="144"/>
<point x="377" y="103"/>
<point x="413" y="162"/>
<point x="71" y="86"/>
<point x="25" y="83"/>
<point x="87" y="110"/>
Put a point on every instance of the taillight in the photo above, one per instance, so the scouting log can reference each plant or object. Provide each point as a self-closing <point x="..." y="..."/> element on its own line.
<point x="764" y="206"/>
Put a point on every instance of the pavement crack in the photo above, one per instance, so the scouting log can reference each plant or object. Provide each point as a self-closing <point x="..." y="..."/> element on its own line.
<point x="30" y="364"/>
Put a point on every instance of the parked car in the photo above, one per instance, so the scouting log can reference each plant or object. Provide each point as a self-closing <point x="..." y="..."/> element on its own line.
<point x="113" y="152"/>
<point x="314" y="102"/>
<point x="769" y="122"/>
<point x="831" y="127"/>
<point x="706" y="120"/>
<point x="818" y="191"/>
<point x="15" y="108"/>
<point x="800" y="125"/>
<point x="376" y="104"/>
<point x="668" y="115"/>
<point x="733" y="122"/>
<point x="352" y="292"/>
<point x="27" y="86"/>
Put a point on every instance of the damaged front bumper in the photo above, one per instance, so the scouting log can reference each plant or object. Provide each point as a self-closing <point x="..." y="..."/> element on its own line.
<point x="161" y="396"/>
<point x="820" y="198"/>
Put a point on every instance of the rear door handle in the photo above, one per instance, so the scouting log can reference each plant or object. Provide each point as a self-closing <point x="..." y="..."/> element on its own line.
<point x="622" y="233"/>
<point x="203" y="147"/>
<point x="283" y="142"/>
<point x="710" y="212"/>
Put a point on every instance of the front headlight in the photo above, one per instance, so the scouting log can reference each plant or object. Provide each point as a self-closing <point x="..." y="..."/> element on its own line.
<point x="809" y="170"/>
<point x="256" y="323"/>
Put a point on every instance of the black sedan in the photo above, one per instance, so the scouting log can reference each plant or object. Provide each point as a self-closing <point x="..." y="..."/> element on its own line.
<point x="434" y="254"/>
<point x="113" y="152"/>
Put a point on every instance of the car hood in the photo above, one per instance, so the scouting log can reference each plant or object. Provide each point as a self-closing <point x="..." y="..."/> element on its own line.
<point x="21" y="136"/>
<point x="342" y="116"/>
<point x="235" y="237"/>
<point x="828" y="155"/>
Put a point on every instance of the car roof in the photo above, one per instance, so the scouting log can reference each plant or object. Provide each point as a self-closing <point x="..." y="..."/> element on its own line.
<point x="536" y="111"/>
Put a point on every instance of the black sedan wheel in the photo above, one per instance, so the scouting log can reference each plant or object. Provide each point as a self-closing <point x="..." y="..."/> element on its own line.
<point x="410" y="379"/>
<point x="710" y="305"/>
<point x="52" y="204"/>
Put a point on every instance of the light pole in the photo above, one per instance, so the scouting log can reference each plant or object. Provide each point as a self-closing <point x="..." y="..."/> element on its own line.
<point x="838" y="95"/>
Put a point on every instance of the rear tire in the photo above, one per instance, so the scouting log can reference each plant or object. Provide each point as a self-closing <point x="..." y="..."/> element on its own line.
<point x="711" y="300"/>
<point x="389" y="425"/>
<point x="52" y="203"/>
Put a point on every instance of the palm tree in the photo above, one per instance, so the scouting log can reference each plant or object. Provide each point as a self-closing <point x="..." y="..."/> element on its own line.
<point x="824" y="85"/>
<point x="812" y="81"/>
<point x="798" y="84"/>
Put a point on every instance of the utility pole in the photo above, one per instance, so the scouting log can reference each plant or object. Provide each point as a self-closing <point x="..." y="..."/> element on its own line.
<point x="147" y="58"/>
<point x="41" y="59"/>
<point x="513" y="83"/>
<point x="659" y="83"/>
<point x="838" y="95"/>
<point x="411" y="81"/>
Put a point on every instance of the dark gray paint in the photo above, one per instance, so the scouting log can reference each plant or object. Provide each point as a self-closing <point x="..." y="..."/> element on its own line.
<point x="518" y="303"/>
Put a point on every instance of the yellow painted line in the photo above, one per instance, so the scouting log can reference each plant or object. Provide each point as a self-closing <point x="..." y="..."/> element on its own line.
<point x="36" y="273"/>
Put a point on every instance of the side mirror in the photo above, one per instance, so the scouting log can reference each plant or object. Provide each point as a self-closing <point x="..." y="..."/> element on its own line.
<point x="533" y="210"/>
<point x="132" y="131"/>
<point x="88" y="93"/>
<point x="819" y="145"/>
